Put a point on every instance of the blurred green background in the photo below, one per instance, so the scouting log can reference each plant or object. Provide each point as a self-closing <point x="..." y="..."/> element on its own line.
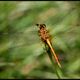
<point x="22" y="54"/>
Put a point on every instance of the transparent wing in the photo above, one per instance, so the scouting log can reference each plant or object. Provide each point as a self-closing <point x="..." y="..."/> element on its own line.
<point x="27" y="37"/>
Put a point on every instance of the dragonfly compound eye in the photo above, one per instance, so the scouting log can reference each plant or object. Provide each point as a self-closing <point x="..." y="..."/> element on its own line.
<point x="44" y="25"/>
<point x="37" y="24"/>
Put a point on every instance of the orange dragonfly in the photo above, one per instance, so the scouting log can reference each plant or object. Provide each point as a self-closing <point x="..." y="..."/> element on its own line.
<point x="45" y="37"/>
<point x="18" y="39"/>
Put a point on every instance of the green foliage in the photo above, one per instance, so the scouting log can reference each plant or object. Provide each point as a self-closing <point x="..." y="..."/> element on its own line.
<point x="22" y="54"/>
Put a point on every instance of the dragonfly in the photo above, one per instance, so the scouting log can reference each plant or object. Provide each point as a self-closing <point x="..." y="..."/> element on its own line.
<point x="45" y="37"/>
<point x="19" y="39"/>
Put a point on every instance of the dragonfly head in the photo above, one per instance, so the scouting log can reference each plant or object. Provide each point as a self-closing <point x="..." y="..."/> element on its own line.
<point x="41" y="25"/>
